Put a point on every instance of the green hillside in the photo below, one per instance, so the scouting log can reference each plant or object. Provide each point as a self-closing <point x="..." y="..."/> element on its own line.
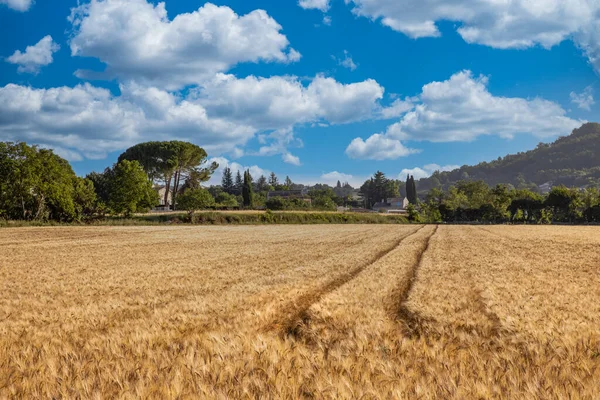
<point x="573" y="161"/>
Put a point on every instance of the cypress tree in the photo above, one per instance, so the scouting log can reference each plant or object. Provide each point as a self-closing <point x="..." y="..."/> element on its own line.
<point x="247" y="192"/>
<point x="239" y="183"/>
<point x="411" y="190"/>
<point x="227" y="181"/>
<point x="408" y="189"/>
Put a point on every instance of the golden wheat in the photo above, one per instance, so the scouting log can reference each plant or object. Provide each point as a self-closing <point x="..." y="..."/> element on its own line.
<point x="300" y="312"/>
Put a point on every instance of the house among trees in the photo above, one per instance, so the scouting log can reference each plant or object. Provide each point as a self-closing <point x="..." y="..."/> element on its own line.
<point x="396" y="205"/>
<point x="301" y="194"/>
<point x="162" y="190"/>
<point x="545" y="188"/>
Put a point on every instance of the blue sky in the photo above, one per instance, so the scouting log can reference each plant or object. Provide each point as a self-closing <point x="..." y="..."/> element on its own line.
<point x="318" y="90"/>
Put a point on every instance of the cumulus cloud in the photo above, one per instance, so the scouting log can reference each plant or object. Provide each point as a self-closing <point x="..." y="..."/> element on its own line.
<point x="221" y="116"/>
<point x="280" y="102"/>
<point x="378" y="147"/>
<point x="322" y="5"/>
<point x="35" y="57"/>
<point x="18" y="5"/>
<point x="136" y="40"/>
<point x="585" y="99"/>
<point x="461" y="109"/>
<point x="90" y="121"/>
<point x="499" y="24"/>
<point x="426" y="171"/>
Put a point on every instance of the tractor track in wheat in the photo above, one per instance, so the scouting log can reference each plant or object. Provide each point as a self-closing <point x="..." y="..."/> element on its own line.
<point x="296" y="313"/>
<point x="410" y="321"/>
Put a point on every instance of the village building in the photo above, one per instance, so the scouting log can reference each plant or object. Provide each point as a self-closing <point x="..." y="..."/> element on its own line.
<point x="396" y="205"/>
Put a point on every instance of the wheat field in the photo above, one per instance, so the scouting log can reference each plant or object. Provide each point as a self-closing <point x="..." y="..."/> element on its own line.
<point x="335" y="311"/>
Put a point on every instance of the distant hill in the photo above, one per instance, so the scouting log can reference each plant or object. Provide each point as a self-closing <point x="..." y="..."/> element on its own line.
<point x="573" y="160"/>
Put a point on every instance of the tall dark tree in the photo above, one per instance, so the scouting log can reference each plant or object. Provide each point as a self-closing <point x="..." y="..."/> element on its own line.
<point x="247" y="192"/>
<point x="239" y="183"/>
<point x="262" y="185"/>
<point x="411" y="189"/>
<point x="227" y="181"/>
<point x="273" y="181"/>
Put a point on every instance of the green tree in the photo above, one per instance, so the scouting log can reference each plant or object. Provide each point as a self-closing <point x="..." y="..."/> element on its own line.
<point x="273" y="181"/>
<point x="226" y="200"/>
<point x="262" y="185"/>
<point x="130" y="189"/>
<point x="565" y="203"/>
<point x="227" y="181"/>
<point x="86" y="203"/>
<point x="411" y="190"/>
<point x="239" y="183"/>
<point x="193" y="200"/>
<point x="247" y="191"/>
<point x="171" y="162"/>
<point x="36" y="184"/>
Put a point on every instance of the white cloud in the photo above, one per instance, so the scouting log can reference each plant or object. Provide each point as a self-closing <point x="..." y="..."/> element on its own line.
<point x="426" y="171"/>
<point x="280" y="102"/>
<point x="137" y="41"/>
<point x="222" y="116"/>
<point x="327" y="20"/>
<point x="322" y="5"/>
<point x="19" y="5"/>
<point x="223" y="162"/>
<point x="35" y="57"/>
<point x="398" y="108"/>
<point x="378" y="147"/>
<point x="289" y="158"/>
<point x="585" y="99"/>
<point x="91" y="121"/>
<point x="496" y="23"/>
<point x="461" y="109"/>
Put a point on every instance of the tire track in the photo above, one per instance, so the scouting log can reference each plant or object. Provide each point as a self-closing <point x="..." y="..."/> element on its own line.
<point x="295" y="317"/>
<point x="411" y="322"/>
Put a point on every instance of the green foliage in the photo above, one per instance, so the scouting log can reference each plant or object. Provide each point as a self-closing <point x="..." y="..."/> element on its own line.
<point x="379" y="188"/>
<point x="273" y="181"/>
<point x="36" y="184"/>
<point x="411" y="190"/>
<point x="413" y="214"/>
<point x="247" y="190"/>
<point x="196" y="199"/>
<point x="281" y="204"/>
<point x="324" y="203"/>
<point x="175" y="163"/>
<point x="130" y="190"/>
<point x="84" y="195"/>
<point x="565" y="204"/>
<point x="226" y="200"/>
<point x="227" y="181"/>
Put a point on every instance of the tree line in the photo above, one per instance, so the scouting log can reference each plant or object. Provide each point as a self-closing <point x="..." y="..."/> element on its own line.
<point x="36" y="184"/>
<point x="475" y="201"/>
